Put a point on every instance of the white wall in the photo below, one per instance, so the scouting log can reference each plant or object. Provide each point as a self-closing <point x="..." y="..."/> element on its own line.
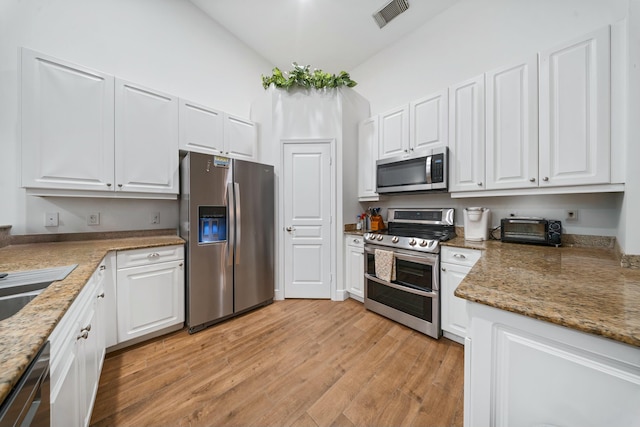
<point x="169" y="45"/>
<point x="470" y="38"/>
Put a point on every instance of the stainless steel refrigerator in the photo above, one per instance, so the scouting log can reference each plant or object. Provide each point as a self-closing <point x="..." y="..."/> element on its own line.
<point x="227" y="219"/>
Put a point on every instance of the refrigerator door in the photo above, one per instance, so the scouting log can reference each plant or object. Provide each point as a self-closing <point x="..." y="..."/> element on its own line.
<point x="209" y="239"/>
<point x="254" y="218"/>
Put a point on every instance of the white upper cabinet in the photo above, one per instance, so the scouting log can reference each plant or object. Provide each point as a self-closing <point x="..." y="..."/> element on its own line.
<point x="367" y="150"/>
<point x="240" y="138"/>
<point x="512" y="126"/>
<point x="466" y="135"/>
<point x="206" y="130"/>
<point x="67" y="125"/>
<point x="394" y="133"/>
<point x="428" y="119"/>
<point x="575" y="145"/>
<point x="146" y="139"/>
<point x="201" y="128"/>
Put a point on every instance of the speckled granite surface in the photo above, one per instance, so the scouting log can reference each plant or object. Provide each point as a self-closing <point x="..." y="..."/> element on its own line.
<point x="22" y="334"/>
<point x="581" y="288"/>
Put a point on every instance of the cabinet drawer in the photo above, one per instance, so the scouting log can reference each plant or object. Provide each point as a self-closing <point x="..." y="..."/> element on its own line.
<point x="459" y="256"/>
<point x="148" y="256"/>
<point x="353" y="240"/>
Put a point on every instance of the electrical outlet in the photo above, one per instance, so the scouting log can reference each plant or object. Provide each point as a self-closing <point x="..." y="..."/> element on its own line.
<point x="155" y="217"/>
<point x="571" y="214"/>
<point x="51" y="219"/>
<point x="93" y="218"/>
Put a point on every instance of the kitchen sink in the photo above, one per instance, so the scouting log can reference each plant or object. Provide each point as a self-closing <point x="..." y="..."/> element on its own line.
<point x="17" y="289"/>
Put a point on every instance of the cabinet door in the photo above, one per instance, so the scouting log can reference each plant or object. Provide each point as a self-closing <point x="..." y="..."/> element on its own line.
<point x="89" y="353"/>
<point x="429" y="122"/>
<point x="367" y="156"/>
<point x="394" y="133"/>
<point x="454" y="310"/>
<point x="240" y="138"/>
<point x="150" y="298"/>
<point x="466" y="135"/>
<point x="109" y="303"/>
<point x="512" y="126"/>
<point x="575" y="139"/>
<point x="201" y="128"/>
<point x="65" y="384"/>
<point x="354" y="268"/>
<point x="67" y="125"/>
<point x="146" y="140"/>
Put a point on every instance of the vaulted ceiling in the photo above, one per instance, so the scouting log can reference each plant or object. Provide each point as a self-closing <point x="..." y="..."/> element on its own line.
<point x="333" y="35"/>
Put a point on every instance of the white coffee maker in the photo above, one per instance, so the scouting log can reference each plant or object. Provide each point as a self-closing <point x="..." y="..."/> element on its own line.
<point x="476" y="223"/>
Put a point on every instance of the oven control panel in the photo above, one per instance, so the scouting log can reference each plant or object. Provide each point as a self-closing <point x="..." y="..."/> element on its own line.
<point x="411" y="243"/>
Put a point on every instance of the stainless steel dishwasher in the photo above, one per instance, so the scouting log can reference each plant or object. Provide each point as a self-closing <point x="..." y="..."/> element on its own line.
<point x="28" y="403"/>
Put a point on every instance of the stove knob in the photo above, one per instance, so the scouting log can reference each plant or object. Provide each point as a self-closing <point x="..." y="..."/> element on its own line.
<point x="395" y="239"/>
<point x="367" y="236"/>
<point x="412" y="242"/>
<point x="379" y="237"/>
<point x="423" y="243"/>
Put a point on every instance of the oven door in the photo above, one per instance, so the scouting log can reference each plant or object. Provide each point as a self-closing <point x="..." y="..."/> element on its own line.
<point x="413" y="298"/>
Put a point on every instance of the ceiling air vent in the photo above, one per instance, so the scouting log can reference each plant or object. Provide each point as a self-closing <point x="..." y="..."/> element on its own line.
<point x="390" y="11"/>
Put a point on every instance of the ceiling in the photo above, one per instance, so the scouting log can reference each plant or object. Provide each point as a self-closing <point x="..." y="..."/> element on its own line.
<point x="332" y="35"/>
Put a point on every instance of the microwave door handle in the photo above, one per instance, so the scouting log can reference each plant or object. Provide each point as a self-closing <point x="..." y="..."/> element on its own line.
<point x="429" y="180"/>
<point x="524" y="221"/>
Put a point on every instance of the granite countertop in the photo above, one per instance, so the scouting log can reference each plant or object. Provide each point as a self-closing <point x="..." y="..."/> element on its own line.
<point x="22" y="334"/>
<point x="577" y="287"/>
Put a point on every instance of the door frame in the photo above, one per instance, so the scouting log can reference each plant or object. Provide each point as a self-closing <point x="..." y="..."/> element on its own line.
<point x="280" y="227"/>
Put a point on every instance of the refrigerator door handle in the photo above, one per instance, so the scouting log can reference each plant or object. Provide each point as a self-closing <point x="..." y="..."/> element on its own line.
<point x="238" y="221"/>
<point x="231" y="239"/>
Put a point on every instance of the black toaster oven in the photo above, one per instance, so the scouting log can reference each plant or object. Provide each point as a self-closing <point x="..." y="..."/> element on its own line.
<point x="537" y="231"/>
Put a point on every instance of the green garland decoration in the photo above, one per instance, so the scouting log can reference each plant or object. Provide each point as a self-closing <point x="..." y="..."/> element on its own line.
<point x="303" y="77"/>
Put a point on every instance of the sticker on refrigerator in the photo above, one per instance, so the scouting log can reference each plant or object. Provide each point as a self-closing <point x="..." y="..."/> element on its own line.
<point x="220" y="162"/>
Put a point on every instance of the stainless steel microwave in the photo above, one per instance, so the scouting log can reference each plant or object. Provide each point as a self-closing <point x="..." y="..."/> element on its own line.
<point x="414" y="174"/>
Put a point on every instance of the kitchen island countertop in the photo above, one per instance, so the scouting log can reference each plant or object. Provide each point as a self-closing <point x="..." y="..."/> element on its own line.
<point x="22" y="334"/>
<point x="581" y="288"/>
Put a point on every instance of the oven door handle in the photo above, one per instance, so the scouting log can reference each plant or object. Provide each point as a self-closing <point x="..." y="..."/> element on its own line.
<point x="431" y="294"/>
<point x="425" y="259"/>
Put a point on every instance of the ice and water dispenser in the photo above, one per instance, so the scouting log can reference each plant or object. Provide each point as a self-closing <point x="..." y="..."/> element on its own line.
<point x="212" y="224"/>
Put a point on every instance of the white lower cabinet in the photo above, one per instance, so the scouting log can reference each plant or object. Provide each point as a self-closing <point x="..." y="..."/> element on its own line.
<point x="150" y="291"/>
<point x="521" y="371"/>
<point x="77" y="353"/>
<point x="455" y="263"/>
<point x="354" y="267"/>
<point x="148" y="297"/>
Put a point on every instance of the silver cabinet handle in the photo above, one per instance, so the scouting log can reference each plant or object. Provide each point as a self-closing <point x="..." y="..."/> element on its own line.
<point x="444" y="269"/>
<point x="532" y="179"/>
<point x="459" y="256"/>
<point x="290" y="228"/>
<point x="84" y="335"/>
<point x="103" y="267"/>
<point x="180" y="265"/>
<point x="153" y="255"/>
<point x="100" y="295"/>
<point x="86" y="328"/>
<point x="546" y="178"/>
<point x="120" y="185"/>
<point x="108" y="184"/>
<point x="480" y="184"/>
<point x="356" y="240"/>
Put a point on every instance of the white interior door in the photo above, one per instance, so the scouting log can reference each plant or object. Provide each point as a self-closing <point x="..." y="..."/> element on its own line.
<point x="307" y="208"/>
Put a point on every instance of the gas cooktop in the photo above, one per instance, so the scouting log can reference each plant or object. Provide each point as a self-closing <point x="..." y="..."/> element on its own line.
<point x="415" y="229"/>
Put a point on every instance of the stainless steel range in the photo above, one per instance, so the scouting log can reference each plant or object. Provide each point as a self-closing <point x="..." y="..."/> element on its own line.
<point x="411" y="296"/>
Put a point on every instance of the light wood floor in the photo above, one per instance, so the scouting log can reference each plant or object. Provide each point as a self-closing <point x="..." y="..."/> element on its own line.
<point x="294" y="362"/>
